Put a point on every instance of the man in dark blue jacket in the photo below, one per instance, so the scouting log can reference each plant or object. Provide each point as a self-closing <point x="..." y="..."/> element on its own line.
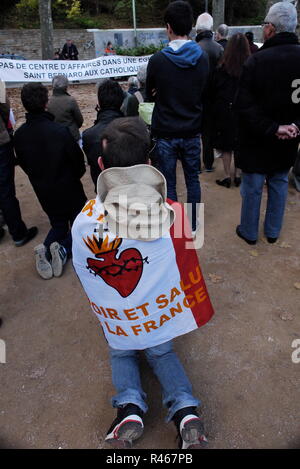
<point x="176" y="78"/>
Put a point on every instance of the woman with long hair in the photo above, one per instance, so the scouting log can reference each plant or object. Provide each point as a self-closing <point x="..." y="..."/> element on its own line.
<point x="225" y="84"/>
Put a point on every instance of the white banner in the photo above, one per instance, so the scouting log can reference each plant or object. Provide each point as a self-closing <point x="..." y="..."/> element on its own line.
<point x="45" y="70"/>
<point x="144" y="293"/>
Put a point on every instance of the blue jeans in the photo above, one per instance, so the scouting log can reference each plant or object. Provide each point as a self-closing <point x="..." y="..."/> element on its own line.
<point x="187" y="150"/>
<point x="251" y="192"/>
<point x="176" y="388"/>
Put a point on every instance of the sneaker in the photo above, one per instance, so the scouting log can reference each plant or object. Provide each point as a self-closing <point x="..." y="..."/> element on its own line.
<point x="59" y="258"/>
<point x="190" y="429"/>
<point x="43" y="266"/>
<point x="31" y="233"/>
<point x="127" y="427"/>
<point x="209" y="170"/>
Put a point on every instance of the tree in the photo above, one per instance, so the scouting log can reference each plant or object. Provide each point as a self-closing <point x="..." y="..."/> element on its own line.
<point x="46" y="29"/>
<point x="218" y="12"/>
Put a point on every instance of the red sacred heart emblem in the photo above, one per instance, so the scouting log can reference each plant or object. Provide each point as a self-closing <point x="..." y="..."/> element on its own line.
<point x="122" y="273"/>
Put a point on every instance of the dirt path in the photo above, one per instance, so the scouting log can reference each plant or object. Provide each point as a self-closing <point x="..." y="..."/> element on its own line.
<point x="56" y="385"/>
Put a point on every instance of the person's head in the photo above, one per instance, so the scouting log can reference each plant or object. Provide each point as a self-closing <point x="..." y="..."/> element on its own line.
<point x="204" y="22"/>
<point x="222" y="32"/>
<point x="110" y="95"/>
<point x="282" y="17"/>
<point x="69" y="42"/>
<point x="250" y="36"/>
<point x="178" y="19"/>
<point x="142" y="75"/>
<point x="34" y="97"/>
<point x="60" y="83"/>
<point x="235" y="55"/>
<point x="133" y="82"/>
<point x="125" y="142"/>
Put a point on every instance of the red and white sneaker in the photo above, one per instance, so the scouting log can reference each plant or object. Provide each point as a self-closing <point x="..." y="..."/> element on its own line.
<point x="127" y="427"/>
<point x="190" y="429"/>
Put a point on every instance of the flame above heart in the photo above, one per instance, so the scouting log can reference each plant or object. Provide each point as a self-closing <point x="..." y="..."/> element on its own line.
<point x="100" y="246"/>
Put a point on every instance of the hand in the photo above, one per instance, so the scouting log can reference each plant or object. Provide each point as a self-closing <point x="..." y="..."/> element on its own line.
<point x="287" y="132"/>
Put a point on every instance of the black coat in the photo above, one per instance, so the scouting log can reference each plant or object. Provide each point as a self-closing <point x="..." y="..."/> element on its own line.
<point x="54" y="163"/>
<point x="224" y="88"/>
<point x="223" y="43"/>
<point x="213" y="49"/>
<point x="91" y="139"/>
<point x="178" y="106"/>
<point x="264" y="101"/>
<point x="69" y="52"/>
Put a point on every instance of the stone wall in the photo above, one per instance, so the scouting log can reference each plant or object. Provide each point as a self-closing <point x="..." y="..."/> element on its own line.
<point x="27" y="42"/>
<point x="125" y="37"/>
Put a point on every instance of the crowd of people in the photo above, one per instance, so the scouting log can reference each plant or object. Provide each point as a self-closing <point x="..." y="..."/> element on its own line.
<point x="214" y="93"/>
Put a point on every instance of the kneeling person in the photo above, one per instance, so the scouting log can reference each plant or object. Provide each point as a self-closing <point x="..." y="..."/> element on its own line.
<point x="130" y="254"/>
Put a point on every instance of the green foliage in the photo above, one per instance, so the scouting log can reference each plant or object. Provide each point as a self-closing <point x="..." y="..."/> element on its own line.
<point x="139" y="50"/>
<point x="123" y="9"/>
<point x="86" y="22"/>
<point x="118" y="13"/>
<point x="238" y="12"/>
<point x="27" y="8"/>
<point x="75" y="10"/>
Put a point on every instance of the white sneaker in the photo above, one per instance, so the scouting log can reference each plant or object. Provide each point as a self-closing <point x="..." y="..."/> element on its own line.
<point x="59" y="258"/>
<point x="43" y="266"/>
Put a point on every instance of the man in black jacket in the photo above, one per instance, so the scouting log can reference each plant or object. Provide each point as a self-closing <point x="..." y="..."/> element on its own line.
<point x="54" y="163"/>
<point x="69" y="51"/>
<point x="110" y="99"/>
<point x="214" y="50"/>
<point x="9" y="204"/>
<point x="269" y="122"/>
<point x="176" y="78"/>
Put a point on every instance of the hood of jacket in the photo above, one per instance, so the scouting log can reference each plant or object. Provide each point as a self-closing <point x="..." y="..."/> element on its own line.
<point x="105" y="116"/>
<point x="135" y="202"/>
<point x="185" y="56"/>
<point x="34" y="117"/>
<point x="204" y="35"/>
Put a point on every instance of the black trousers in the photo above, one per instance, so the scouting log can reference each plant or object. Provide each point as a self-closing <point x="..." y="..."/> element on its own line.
<point x="9" y="204"/>
<point x="207" y="150"/>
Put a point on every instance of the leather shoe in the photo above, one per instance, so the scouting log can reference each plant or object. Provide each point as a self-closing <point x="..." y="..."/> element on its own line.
<point x="249" y="241"/>
<point x="31" y="233"/>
